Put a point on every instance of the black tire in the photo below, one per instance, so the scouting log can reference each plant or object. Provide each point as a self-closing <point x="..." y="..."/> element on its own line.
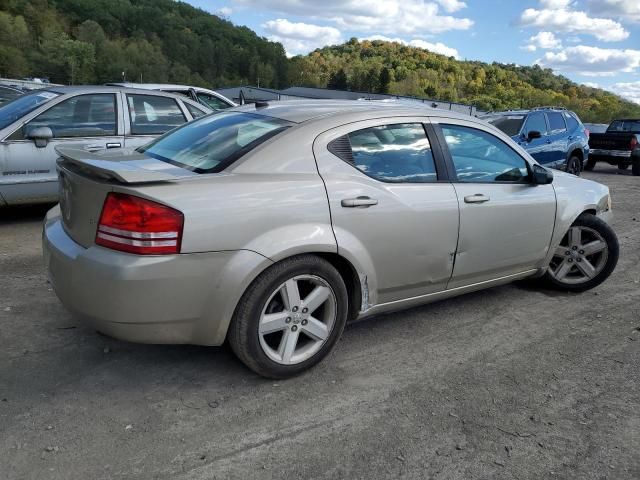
<point x="574" y="166"/>
<point x="635" y="169"/>
<point x="589" y="165"/>
<point x="243" y="335"/>
<point x="623" y="166"/>
<point x="609" y="236"/>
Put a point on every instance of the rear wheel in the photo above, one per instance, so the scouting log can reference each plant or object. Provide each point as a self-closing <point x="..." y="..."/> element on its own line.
<point x="574" y="165"/>
<point x="290" y="318"/>
<point x="586" y="256"/>
<point x="589" y="165"/>
<point x="623" y="166"/>
<point x="635" y="169"/>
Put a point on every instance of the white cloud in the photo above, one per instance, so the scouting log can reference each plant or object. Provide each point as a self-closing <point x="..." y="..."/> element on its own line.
<point x="299" y="38"/>
<point x="591" y="84"/>
<point x="630" y="91"/>
<point x="628" y="10"/>
<point x="437" y="47"/>
<point x="382" y="17"/>
<point x="544" y="40"/>
<point x="557" y="15"/>
<point x="225" y="11"/>
<point x="592" y="61"/>
<point x="452" y="5"/>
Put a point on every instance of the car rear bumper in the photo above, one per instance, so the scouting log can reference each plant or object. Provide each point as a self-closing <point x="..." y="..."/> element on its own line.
<point x="186" y="298"/>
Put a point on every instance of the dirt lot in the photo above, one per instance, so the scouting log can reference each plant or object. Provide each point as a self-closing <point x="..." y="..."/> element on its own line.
<point x="508" y="383"/>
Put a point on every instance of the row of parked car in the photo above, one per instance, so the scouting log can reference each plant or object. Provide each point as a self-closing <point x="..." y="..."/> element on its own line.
<point x="556" y="137"/>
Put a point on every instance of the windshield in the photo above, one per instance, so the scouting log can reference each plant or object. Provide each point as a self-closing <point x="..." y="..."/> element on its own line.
<point x="509" y="124"/>
<point x="211" y="143"/>
<point x="624" y="126"/>
<point x="18" y="108"/>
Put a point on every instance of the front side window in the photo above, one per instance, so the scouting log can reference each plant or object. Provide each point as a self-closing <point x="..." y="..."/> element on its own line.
<point x="153" y="115"/>
<point x="211" y="143"/>
<point x="556" y="122"/>
<point x="212" y="101"/>
<point x="481" y="157"/>
<point x="21" y="106"/>
<point x="79" y="116"/>
<point x="509" y="124"/>
<point x="536" y="123"/>
<point x="399" y="153"/>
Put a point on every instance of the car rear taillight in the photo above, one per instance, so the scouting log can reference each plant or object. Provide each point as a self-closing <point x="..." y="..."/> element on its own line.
<point x="587" y="132"/>
<point x="137" y="225"/>
<point x="634" y="143"/>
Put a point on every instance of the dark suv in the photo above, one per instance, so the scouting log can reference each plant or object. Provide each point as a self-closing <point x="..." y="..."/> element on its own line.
<point x="554" y="136"/>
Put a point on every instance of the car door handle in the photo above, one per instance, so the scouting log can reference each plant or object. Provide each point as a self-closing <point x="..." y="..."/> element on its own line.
<point x="114" y="145"/>
<point x="359" y="202"/>
<point x="477" y="198"/>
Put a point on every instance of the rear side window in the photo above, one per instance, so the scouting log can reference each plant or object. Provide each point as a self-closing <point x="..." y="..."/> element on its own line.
<point x="572" y="123"/>
<point x="399" y="153"/>
<point x="212" y="101"/>
<point x="153" y="115"/>
<point x="509" y="124"/>
<point x="195" y="111"/>
<point x="211" y="143"/>
<point x="556" y="122"/>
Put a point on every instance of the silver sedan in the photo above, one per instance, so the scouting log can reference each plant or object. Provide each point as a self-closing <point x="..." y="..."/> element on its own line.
<point x="272" y="226"/>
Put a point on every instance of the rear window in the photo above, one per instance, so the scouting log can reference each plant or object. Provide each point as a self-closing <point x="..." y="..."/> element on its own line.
<point x="572" y="122"/>
<point x="624" y="126"/>
<point x="509" y="124"/>
<point x="211" y="143"/>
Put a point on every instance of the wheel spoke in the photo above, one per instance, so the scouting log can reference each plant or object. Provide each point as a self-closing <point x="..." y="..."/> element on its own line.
<point x="291" y="294"/>
<point x="594" y="247"/>
<point x="563" y="269"/>
<point x="585" y="267"/>
<point x="574" y="236"/>
<point x="316" y="298"/>
<point x="561" y="251"/>
<point x="316" y="329"/>
<point x="287" y="345"/>
<point x="272" y="322"/>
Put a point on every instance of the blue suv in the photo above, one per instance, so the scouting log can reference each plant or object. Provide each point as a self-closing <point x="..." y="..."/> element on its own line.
<point x="554" y="136"/>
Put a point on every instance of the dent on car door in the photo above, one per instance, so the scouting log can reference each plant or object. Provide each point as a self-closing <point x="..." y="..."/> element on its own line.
<point x="29" y="152"/>
<point x="149" y="116"/>
<point x="506" y="222"/>
<point x="391" y="215"/>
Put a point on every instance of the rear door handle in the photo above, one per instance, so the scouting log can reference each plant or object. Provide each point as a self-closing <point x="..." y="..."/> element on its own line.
<point x="114" y="145"/>
<point x="477" y="198"/>
<point x="359" y="202"/>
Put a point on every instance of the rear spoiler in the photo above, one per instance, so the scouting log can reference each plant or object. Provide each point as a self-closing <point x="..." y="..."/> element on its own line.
<point x="124" y="166"/>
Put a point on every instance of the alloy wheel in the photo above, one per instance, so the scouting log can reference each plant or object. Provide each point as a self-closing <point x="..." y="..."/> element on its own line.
<point x="580" y="257"/>
<point x="297" y="319"/>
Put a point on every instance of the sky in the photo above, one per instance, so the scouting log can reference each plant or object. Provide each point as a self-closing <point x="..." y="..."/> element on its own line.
<point x="593" y="42"/>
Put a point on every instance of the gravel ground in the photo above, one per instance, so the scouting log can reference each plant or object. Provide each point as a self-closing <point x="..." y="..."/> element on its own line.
<point x="513" y="382"/>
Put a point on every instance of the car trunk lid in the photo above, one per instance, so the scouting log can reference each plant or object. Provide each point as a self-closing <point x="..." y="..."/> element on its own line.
<point x="85" y="179"/>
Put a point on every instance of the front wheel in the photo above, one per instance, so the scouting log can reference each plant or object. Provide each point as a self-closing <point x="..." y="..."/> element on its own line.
<point x="586" y="256"/>
<point x="290" y="317"/>
<point x="574" y="166"/>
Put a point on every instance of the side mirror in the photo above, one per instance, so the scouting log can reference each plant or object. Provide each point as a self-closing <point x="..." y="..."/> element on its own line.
<point x="40" y="136"/>
<point x="533" y="134"/>
<point x="541" y="175"/>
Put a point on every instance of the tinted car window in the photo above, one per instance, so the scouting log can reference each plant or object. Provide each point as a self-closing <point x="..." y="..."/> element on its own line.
<point x="211" y="143"/>
<point x="509" y="124"/>
<point x="572" y="123"/>
<point x="23" y="105"/>
<point x="481" y="157"/>
<point x="153" y="115"/>
<point x="80" y="116"/>
<point x="624" y="126"/>
<point x="556" y="122"/>
<point x="536" y="123"/>
<point x="195" y="111"/>
<point x="8" y="94"/>
<point x="393" y="153"/>
<point x="212" y="101"/>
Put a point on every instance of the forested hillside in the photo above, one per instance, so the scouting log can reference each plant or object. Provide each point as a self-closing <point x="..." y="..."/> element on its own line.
<point x="95" y="41"/>
<point x="390" y="67"/>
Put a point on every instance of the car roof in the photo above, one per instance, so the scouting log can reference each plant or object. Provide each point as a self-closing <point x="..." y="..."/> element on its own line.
<point x="299" y="111"/>
<point x="156" y="86"/>
<point x="101" y="89"/>
<point x="525" y="111"/>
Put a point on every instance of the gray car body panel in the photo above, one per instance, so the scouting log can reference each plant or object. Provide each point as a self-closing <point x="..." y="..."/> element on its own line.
<point x="282" y="199"/>
<point x="34" y="178"/>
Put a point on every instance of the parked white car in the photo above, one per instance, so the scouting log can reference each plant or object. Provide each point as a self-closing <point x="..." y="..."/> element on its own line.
<point x="96" y="118"/>
<point x="204" y="96"/>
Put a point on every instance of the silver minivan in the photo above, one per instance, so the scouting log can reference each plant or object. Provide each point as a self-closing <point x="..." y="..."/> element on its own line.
<point x="93" y="117"/>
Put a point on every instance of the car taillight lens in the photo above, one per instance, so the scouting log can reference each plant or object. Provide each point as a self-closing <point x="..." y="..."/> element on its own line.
<point x="634" y="143"/>
<point x="137" y="225"/>
<point x="587" y="132"/>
